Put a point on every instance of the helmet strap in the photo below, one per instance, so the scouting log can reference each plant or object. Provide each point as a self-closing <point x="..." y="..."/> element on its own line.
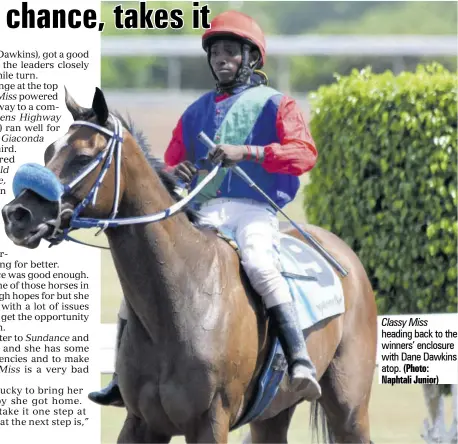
<point x="245" y="70"/>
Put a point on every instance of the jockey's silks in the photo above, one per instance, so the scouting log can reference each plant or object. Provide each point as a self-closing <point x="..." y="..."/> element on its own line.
<point x="246" y="118"/>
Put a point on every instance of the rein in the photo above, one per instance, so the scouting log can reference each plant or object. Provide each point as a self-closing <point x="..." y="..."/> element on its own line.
<point x="113" y="149"/>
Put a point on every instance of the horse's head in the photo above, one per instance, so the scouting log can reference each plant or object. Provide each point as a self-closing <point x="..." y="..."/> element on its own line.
<point x="46" y="197"/>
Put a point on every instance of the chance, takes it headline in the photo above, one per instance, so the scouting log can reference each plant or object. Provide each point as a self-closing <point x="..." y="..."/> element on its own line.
<point x="142" y="18"/>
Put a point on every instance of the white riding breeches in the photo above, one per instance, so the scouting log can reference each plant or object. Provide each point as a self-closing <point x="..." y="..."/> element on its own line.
<point x="255" y="228"/>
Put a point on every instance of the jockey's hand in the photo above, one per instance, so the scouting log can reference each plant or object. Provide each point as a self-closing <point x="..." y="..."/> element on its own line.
<point x="228" y="154"/>
<point x="185" y="171"/>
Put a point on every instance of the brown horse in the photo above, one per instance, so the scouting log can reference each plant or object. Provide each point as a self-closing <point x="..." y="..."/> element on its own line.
<point x="197" y="335"/>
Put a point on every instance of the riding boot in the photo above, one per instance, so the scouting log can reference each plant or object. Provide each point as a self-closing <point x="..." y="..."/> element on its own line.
<point x="301" y="369"/>
<point x="110" y="395"/>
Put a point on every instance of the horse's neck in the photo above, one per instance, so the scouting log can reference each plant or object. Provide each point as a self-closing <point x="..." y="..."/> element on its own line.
<point x="157" y="262"/>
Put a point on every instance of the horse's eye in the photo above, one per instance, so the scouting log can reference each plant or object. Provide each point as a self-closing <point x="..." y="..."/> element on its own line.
<point x="83" y="159"/>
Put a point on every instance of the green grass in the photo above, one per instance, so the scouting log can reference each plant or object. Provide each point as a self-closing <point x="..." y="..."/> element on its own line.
<point x="396" y="416"/>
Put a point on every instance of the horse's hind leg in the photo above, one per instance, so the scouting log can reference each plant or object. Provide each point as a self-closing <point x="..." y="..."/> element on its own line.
<point x="346" y="387"/>
<point x="273" y="430"/>
<point x="135" y="430"/>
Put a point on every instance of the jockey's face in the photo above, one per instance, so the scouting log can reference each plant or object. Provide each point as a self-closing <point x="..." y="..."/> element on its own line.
<point x="225" y="59"/>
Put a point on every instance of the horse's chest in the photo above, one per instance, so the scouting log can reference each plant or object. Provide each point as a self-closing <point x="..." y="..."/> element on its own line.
<point x="185" y="398"/>
<point x="172" y="394"/>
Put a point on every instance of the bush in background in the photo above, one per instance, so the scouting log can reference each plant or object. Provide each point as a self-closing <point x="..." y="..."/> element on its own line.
<point x="386" y="181"/>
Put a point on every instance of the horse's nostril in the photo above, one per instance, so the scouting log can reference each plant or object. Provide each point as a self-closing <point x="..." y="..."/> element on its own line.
<point x="19" y="215"/>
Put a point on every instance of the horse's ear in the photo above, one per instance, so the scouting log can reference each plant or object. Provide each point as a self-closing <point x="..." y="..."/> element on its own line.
<point x="75" y="110"/>
<point x="99" y="106"/>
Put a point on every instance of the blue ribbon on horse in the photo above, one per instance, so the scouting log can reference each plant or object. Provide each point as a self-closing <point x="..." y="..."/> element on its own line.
<point x="39" y="179"/>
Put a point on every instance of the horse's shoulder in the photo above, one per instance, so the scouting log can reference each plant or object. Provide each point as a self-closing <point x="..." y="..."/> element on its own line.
<point x="223" y="245"/>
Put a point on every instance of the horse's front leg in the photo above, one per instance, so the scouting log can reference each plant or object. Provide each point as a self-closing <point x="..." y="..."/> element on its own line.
<point x="210" y="431"/>
<point x="135" y="430"/>
<point x="212" y="427"/>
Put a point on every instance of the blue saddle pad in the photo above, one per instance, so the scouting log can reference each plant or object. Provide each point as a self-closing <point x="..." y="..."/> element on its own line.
<point x="317" y="292"/>
<point x="272" y="374"/>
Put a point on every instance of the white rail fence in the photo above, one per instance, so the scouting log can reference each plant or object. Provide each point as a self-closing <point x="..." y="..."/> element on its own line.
<point x="287" y="45"/>
<point x="282" y="47"/>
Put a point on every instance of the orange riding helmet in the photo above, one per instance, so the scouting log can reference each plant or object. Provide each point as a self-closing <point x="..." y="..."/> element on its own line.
<point x="239" y="25"/>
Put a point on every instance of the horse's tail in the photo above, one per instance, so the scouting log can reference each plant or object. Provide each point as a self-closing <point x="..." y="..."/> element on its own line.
<point x="319" y="424"/>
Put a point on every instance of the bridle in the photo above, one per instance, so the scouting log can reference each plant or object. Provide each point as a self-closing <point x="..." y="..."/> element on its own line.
<point x="25" y="180"/>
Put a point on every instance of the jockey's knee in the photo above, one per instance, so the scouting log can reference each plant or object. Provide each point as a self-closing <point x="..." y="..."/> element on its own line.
<point x="266" y="279"/>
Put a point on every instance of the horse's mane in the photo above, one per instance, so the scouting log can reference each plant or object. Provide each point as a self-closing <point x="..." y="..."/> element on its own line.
<point x="169" y="180"/>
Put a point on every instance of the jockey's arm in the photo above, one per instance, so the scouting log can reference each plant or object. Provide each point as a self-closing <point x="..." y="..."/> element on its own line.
<point x="176" y="151"/>
<point x="296" y="153"/>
